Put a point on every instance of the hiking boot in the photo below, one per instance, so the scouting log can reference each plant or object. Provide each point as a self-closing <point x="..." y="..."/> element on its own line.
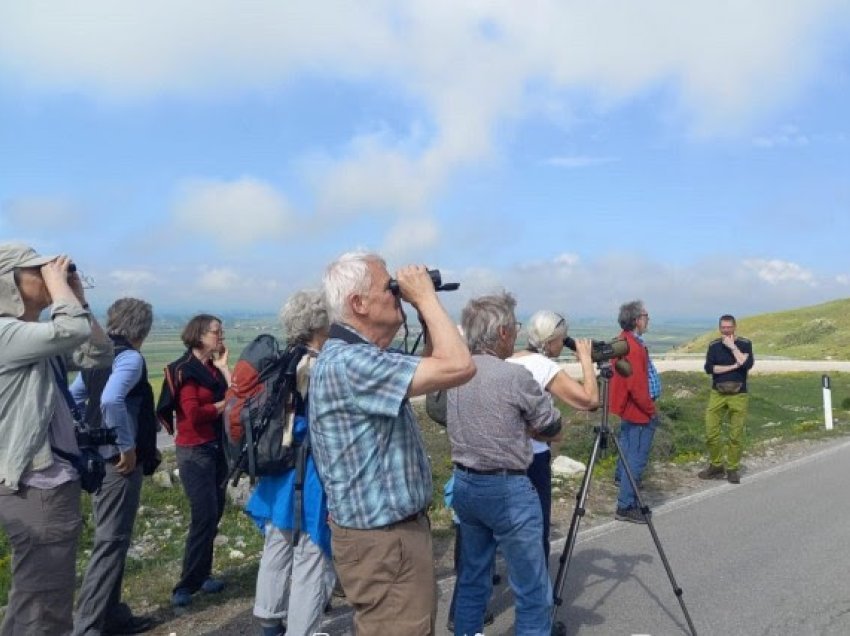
<point x="489" y="619"/>
<point x="632" y="515"/>
<point x="132" y="625"/>
<point x="212" y="586"/>
<point x="181" y="597"/>
<point x="712" y="472"/>
<point x="733" y="477"/>
<point x="278" y="629"/>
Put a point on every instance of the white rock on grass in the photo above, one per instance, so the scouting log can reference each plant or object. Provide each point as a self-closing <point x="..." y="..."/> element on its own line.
<point x="566" y="466"/>
<point x="221" y="539"/>
<point x="240" y="493"/>
<point x="236" y="554"/>
<point x="162" y="479"/>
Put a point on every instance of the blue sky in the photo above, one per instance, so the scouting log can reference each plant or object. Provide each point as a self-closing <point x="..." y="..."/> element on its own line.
<point x="216" y="156"/>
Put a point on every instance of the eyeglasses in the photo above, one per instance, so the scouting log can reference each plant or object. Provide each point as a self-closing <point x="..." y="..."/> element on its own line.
<point x="216" y="332"/>
<point x="644" y="315"/>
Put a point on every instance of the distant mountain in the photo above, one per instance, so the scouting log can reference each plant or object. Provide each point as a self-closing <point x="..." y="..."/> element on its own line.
<point x="809" y="333"/>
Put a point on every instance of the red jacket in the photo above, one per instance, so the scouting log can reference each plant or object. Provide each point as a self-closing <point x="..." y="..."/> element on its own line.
<point x="628" y="397"/>
<point x="198" y="421"/>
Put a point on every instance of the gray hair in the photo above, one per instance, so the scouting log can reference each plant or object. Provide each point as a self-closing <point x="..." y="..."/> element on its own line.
<point x="303" y="315"/>
<point x="629" y="314"/>
<point x="130" y="318"/>
<point x="482" y="317"/>
<point x="349" y="274"/>
<point x="544" y="326"/>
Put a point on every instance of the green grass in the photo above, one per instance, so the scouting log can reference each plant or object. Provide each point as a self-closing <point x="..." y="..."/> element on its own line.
<point x="783" y="407"/>
<point x="809" y="333"/>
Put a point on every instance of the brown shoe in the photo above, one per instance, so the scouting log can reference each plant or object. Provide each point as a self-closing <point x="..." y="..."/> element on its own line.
<point x="712" y="472"/>
<point x="733" y="477"/>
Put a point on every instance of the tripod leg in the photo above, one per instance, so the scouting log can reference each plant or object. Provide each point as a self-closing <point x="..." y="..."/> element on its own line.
<point x="570" y="542"/>
<point x="647" y="515"/>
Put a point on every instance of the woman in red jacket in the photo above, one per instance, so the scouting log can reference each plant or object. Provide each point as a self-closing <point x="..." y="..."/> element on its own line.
<point x="201" y="378"/>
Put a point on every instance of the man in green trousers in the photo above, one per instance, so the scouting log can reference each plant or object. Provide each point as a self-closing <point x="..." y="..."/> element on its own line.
<point x="728" y="360"/>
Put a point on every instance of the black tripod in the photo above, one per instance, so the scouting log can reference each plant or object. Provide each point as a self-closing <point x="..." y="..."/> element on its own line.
<point x="603" y="433"/>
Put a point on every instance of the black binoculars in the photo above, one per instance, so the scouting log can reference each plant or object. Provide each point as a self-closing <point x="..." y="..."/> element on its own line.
<point x="439" y="285"/>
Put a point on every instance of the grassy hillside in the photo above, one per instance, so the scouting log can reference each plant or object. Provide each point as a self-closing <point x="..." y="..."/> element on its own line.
<point x="809" y="333"/>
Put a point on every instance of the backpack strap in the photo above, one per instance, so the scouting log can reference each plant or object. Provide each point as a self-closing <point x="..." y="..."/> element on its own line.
<point x="346" y="334"/>
<point x="298" y="499"/>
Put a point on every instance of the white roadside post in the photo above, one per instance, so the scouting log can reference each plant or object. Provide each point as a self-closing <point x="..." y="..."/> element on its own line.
<point x="827" y="403"/>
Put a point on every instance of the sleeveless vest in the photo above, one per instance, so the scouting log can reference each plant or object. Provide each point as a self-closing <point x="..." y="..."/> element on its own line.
<point x="140" y="404"/>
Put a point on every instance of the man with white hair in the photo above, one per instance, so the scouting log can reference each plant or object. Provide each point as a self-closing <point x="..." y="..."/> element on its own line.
<point x="367" y="445"/>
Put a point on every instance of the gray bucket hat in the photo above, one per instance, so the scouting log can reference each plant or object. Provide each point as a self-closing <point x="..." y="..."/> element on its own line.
<point x="12" y="256"/>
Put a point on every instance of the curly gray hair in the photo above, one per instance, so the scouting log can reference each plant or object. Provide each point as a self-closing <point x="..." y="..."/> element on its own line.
<point x="303" y="315"/>
<point x="482" y="317"/>
<point x="130" y="318"/>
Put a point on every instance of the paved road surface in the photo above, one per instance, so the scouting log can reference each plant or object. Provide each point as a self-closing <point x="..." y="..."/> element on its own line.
<point x="768" y="557"/>
<point x="762" y="366"/>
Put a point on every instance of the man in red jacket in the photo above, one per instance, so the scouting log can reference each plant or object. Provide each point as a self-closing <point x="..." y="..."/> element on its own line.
<point x="633" y="398"/>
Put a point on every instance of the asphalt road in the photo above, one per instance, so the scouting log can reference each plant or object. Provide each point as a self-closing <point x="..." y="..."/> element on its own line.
<point x="761" y="366"/>
<point x="767" y="557"/>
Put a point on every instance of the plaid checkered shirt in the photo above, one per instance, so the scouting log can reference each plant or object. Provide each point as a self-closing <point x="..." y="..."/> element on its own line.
<point x="652" y="374"/>
<point x="366" y="440"/>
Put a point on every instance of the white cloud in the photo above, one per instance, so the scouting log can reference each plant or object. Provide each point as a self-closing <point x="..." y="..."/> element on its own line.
<point x="132" y="278"/>
<point x="470" y="68"/>
<point x="787" y="136"/>
<point x="410" y="238"/>
<point x="232" y="213"/>
<point x="776" y="271"/>
<point x="41" y="213"/>
<point x="578" y="161"/>
<point x="597" y="287"/>
<point x="566" y="260"/>
<point x="580" y="288"/>
<point x="371" y="177"/>
<point x="219" y="279"/>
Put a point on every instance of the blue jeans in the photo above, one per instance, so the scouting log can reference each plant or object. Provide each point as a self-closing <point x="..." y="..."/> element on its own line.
<point x="503" y="511"/>
<point x="635" y="443"/>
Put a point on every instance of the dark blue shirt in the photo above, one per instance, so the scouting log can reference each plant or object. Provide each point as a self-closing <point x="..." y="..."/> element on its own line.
<point x="720" y="354"/>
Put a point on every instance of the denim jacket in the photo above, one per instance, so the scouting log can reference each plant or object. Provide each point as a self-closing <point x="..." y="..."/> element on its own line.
<point x="28" y="386"/>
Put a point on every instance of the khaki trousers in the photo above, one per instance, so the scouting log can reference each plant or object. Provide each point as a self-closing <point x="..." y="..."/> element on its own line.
<point x="388" y="577"/>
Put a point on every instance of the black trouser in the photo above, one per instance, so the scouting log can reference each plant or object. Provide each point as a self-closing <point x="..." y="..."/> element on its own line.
<point x="540" y="474"/>
<point x="202" y="471"/>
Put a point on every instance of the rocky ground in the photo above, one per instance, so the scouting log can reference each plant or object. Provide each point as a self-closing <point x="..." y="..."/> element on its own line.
<point x="230" y="614"/>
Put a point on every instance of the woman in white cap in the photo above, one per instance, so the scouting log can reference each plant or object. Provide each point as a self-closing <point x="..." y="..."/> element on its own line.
<point x="546" y="332"/>
<point x="39" y="490"/>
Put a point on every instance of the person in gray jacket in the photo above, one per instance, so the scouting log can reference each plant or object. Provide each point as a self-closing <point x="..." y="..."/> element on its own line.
<point x="491" y="421"/>
<point x="39" y="491"/>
